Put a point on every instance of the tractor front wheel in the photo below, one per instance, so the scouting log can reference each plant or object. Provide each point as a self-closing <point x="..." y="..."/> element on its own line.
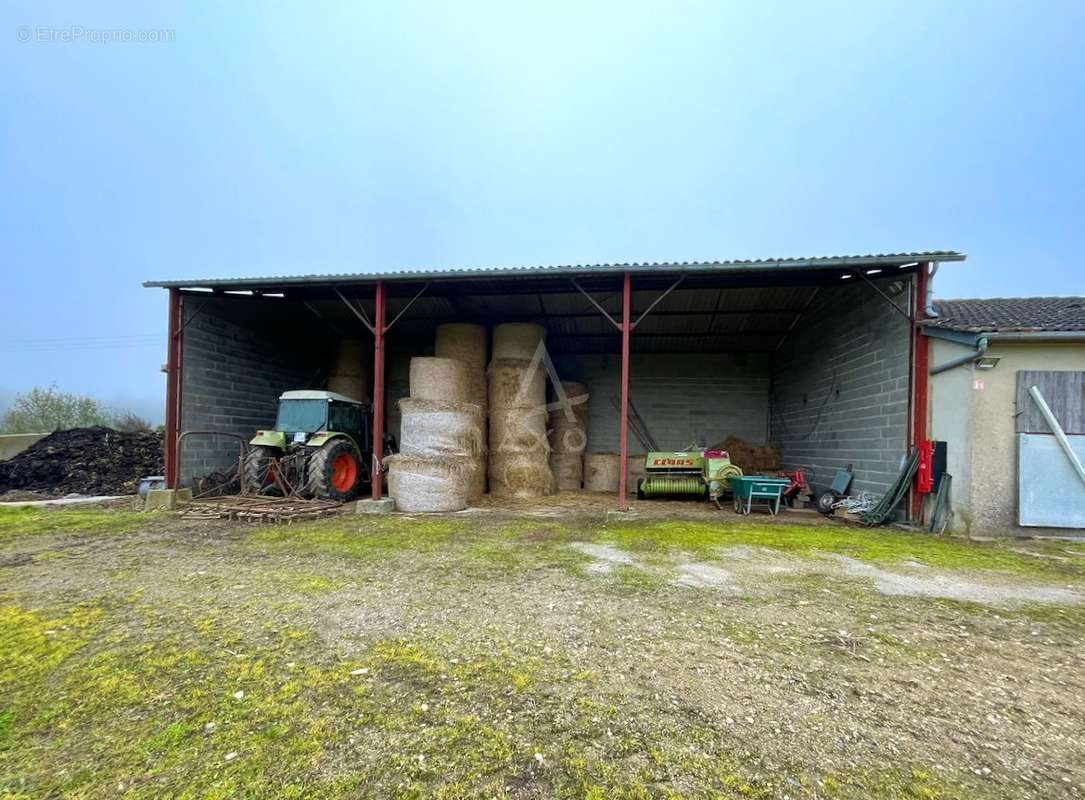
<point x="257" y="475"/>
<point x="334" y="472"/>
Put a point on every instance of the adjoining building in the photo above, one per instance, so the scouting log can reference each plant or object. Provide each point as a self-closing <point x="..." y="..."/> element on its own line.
<point x="1009" y="475"/>
<point x="823" y="357"/>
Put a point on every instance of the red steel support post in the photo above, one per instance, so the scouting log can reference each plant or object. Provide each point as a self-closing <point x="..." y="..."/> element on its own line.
<point x="623" y="431"/>
<point x="173" y="386"/>
<point x="920" y="377"/>
<point x="378" y="391"/>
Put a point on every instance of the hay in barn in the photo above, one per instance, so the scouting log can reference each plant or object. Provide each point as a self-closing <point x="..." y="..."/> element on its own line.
<point x="349" y="374"/>
<point x="634" y="470"/>
<point x="429" y="429"/>
<point x="751" y="458"/>
<point x="517" y="340"/>
<point x="574" y="410"/>
<point x="602" y="472"/>
<point x="520" y="475"/>
<point x="515" y="383"/>
<point x="568" y="440"/>
<point x="462" y="340"/>
<point x="517" y="430"/>
<point x="348" y="386"/>
<point x="568" y="469"/>
<point x="476" y="479"/>
<point x="444" y="379"/>
<point x="430" y="484"/>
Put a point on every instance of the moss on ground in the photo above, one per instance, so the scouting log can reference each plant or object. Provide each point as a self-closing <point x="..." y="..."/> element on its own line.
<point x="876" y="545"/>
<point x="90" y="709"/>
<point x="25" y="521"/>
<point x="215" y="694"/>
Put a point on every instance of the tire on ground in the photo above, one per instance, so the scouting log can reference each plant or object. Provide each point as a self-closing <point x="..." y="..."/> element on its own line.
<point x="257" y="472"/>
<point x="330" y="475"/>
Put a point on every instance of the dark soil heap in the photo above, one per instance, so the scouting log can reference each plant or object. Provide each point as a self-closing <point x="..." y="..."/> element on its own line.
<point x="94" y="461"/>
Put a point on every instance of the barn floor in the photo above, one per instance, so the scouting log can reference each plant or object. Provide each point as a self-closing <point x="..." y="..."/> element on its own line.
<point x="532" y="654"/>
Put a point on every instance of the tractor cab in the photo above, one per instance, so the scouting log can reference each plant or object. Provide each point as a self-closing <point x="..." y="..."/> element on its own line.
<point x="320" y="447"/>
<point x="308" y="414"/>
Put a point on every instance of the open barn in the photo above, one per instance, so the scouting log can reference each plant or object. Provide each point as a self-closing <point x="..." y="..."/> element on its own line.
<point x="818" y="360"/>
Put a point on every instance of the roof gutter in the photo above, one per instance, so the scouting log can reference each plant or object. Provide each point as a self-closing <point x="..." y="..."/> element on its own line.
<point x="976" y="355"/>
<point x="1037" y="336"/>
<point x="928" y="305"/>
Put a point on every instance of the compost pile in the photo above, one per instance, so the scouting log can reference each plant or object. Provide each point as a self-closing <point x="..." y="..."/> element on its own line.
<point x="92" y="461"/>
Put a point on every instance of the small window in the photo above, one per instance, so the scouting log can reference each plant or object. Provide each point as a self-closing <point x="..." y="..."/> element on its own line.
<point x="345" y="417"/>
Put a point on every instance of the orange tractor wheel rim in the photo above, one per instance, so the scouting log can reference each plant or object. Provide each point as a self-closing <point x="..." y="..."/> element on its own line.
<point x="344" y="472"/>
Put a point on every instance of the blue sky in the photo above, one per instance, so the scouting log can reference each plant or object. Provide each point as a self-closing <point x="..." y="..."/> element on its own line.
<point x="286" y="138"/>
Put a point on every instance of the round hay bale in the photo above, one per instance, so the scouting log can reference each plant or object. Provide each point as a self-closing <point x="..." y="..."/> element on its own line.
<point x="429" y="484"/>
<point x="518" y="430"/>
<point x="350" y="386"/>
<point x="476" y="479"/>
<point x="574" y="411"/>
<point x="520" y="475"/>
<point x="602" y="472"/>
<point x="515" y="383"/>
<point x="462" y="340"/>
<point x="634" y="470"/>
<point x="445" y="379"/>
<point x="518" y="340"/>
<point x="568" y="439"/>
<point x="568" y="469"/>
<point x="429" y="429"/>
<point x="349" y="374"/>
<point x="479" y="389"/>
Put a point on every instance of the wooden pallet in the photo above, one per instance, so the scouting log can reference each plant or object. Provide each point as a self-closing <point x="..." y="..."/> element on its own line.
<point x="259" y="509"/>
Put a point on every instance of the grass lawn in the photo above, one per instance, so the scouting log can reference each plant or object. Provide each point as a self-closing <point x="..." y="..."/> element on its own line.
<point x="525" y="656"/>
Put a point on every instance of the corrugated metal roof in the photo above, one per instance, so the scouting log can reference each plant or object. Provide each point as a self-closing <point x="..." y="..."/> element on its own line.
<point x="871" y="261"/>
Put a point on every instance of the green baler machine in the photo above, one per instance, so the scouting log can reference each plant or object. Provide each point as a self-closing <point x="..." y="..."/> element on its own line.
<point x="687" y="473"/>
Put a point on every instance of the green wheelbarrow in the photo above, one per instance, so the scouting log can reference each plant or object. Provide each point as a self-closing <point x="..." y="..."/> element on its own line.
<point x="748" y="489"/>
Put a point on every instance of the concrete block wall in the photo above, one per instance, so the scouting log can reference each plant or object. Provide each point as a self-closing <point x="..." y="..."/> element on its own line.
<point x="682" y="398"/>
<point x="840" y="386"/>
<point x="238" y="358"/>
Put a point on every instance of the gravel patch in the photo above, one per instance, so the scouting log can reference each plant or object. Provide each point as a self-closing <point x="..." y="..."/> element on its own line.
<point x="952" y="587"/>
<point x="605" y="556"/>
<point x="702" y="575"/>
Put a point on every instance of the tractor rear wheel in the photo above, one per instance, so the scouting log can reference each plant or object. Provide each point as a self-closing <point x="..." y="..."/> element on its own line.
<point x="257" y="474"/>
<point x="334" y="472"/>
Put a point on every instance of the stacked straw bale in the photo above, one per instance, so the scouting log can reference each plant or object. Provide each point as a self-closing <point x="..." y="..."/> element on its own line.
<point x="441" y="379"/>
<point x="442" y="440"/>
<point x="518" y="462"/>
<point x="602" y="472"/>
<point x="350" y="374"/>
<point x="467" y="342"/>
<point x="517" y="340"/>
<point x="569" y="436"/>
<point x="429" y="484"/>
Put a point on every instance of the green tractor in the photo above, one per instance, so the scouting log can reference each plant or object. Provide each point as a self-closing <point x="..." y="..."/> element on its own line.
<point x="320" y="448"/>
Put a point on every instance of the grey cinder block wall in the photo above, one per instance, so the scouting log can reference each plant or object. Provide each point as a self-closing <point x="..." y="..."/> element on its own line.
<point x="684" y="399"/>
<point x="238" y="356"/>
<point x="840" y="385"/>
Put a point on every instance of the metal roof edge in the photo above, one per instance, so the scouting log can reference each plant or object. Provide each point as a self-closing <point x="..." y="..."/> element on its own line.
<point x="758" y="265"/>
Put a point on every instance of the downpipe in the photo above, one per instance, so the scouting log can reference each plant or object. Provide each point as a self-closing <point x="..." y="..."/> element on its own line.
<point x="928" y="301"/>
<point x="975" y="355"/>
